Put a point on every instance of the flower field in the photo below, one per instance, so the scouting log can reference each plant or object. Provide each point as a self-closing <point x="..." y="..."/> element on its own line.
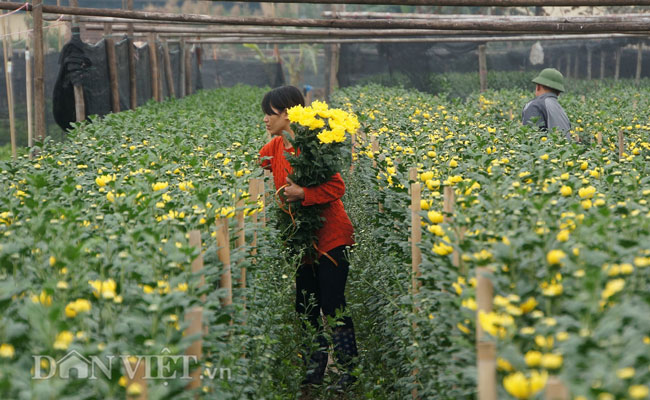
<point x="95" y="254"/>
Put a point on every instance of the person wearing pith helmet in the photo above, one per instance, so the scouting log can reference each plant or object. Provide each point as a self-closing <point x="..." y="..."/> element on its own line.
<point x="544" y="111"/>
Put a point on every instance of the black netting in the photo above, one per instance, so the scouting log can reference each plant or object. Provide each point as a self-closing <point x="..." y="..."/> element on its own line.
<point x="255" y="73"/>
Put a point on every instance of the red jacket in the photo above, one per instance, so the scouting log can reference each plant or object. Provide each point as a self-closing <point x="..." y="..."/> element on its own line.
<point x="337" y="229"/>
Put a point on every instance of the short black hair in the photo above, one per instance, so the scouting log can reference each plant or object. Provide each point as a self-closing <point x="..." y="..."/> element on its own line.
<point x="557" y="92"/>
<point x="282" y="98"/>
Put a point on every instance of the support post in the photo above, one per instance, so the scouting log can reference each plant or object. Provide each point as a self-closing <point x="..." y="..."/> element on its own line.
<point x="621" y="145"/>
<point x="599" y="138"/>
<point x="602" y="64"/>
<point x="485" y="349"/>
<point x="168" y="70"/>
<point x="182" y="62"/>
<point x="639" y="58"/>
<point x="6" y="49"/>
<point x="576" y="65"/>
<point x="240" y="242"/>
<point x="133" y="90"/>
<point x="223" y="241"/>
<point x="188" y="71"/>
<point x="39" y="70"/>
<point x="568" y="66"/>
<point x="195" y="319"/>
<point x="589" y="63"/>
<point x="416" y="236"/>
<point x="555" y="389"/>
<point x="197" y="263"/>
<point x="482" y="66"/>
<point x="79" y="101"/>
<point x="153" y="58"/>
<point x="617" y="69"/>
<point x="135" y="377"/>
<point x="112" y="67"/>
<point x="30" y="94"/>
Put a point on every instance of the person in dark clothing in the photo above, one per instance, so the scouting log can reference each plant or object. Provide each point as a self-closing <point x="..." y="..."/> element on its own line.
<point x="544" y="111"/>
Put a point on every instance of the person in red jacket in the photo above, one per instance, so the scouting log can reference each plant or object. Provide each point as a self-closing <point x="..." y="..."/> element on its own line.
<point x="320" y="285"/>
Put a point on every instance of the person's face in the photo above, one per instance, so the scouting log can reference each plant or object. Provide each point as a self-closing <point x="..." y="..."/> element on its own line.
<point x="277" y="123"/>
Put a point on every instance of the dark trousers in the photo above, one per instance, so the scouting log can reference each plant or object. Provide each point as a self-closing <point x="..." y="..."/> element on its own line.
<point x="321" y="286"/>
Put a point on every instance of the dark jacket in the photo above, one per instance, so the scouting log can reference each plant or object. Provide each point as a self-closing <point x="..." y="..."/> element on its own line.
<point x="549" y="113"/>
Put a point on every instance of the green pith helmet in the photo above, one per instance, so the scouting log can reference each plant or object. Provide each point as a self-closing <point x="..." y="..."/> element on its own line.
<point x="551" y="77"/>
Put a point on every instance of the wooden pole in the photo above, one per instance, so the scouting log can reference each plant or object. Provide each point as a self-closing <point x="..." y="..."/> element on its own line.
<point x="195" y="319"/>
<point x="599" y="138"/>
<point x="265" y="195"/>
<point x="6" y="50"/>
<point x="555" y="389"/>
<point x="639" y="58"/>
<point x="112" y="67"/>
<point x="482" y="67"/>
<point x="485" y="349"/>
<point x="568" y="66"/>
<point x="589" y="63"/>
<point x="621" y="145"/>
<point x="576" y="65"/>
<point x="223" y="241"/>
<point x="39" y="70"/>
<point x="416" y="236"/>
<point x="132" y="76"/>
<point x="182" y="62"/>
<point x="188" y="72"/>
<point x="30" y="94"/>
<point x="240" y="242"/>
<point x="79" y="103"/>
<point x="135" y="378"/>
<point x="617" y="69"/>
<point x="602" y="64"/>
<point x="168" y="70"/>
<point x="197" y="263"/>
<point x="155" y="74"/>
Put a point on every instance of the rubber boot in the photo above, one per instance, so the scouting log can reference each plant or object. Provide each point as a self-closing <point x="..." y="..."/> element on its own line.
<point x="316" y="363"/>
<point x="345" y="351"/>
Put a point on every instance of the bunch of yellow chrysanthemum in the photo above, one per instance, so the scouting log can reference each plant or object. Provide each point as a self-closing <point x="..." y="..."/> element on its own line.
<point x="313" y="117"/>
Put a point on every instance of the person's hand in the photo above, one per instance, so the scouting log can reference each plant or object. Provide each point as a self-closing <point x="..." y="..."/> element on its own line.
<point x="293" y="192"/>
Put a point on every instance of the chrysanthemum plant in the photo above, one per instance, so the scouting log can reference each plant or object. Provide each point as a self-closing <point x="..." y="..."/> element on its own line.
<point x="322" y="144"/>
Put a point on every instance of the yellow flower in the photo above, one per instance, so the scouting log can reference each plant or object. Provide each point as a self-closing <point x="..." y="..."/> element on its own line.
<point x="566" y="191"/>
<point x="134" y="389"/>
<point x="7" y="350"/>
<point x="159" y="186"/>
<point x="586" y="204"/>
<point x="105" y="289"/>
<point x="562" y="336"/>
<point x="504" y="365"/>
<point x="63" y="340"/>
<point x="533" y="358"/>
<point x="529" y="305"/>
<point x="638" y="391"/>
<point x="625" y="373"/>
<point x="104" y="180"/>
<point x="462" y="328"/>
<point x="469" y="303"/>
<point x="523" y="388"/>
<point x="185" y="186"/>
<point x="77" y="306"/>
<point x="587" y="192"/>
<point x="495" y="324"/>
<point x="612" y="288"/>
<point x="453" y="163"/>
<point x="555" y="257"/>
<point x="424" y="205"/>
<point x="442" y="249"/>
<point x="551" y="361"/>
<point x="563" y="235"/>
<point x="43" y="298"/>
<point x="435" y="217"/>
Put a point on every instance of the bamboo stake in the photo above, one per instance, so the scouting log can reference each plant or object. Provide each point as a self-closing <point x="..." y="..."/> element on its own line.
<point x="416" y="235"/>
<point x="599" y="138"/>
<point x="482" y="67"/>
<point x="197" y="263"/>
<point x="486" y="350"/>
<point x="112" y="67"/>
<point x="267" y="177"/>
<point x="9" y="86"/>
<point x="602" y="64"/>
<point x="639" y="58"/>
<point x="188" y="72"/>
<point x="153" y="59"/>
<point x="223" y="241"/>
<point x="621" y="145"/>
<point x="79" y="100"/>
<point x="195" y="319"/>
<point x="555" y="389"/>
<point x="182" y="62"/>
<point x="168" y="70"/>
<point x="39" y="69"/>
<point x="135" y="377"/>
<point x="617" y="69"/>
<point x="448" y="204"/>
<point x="240" y="242"/>
<point x="132" y="76"/>
<point x="589" y="63"/>
<point x="30" y="94"/>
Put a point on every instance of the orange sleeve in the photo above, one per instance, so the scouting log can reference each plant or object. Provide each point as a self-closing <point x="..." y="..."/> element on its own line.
<point x="266" y="151"/>
<point x="328" y="192"/>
